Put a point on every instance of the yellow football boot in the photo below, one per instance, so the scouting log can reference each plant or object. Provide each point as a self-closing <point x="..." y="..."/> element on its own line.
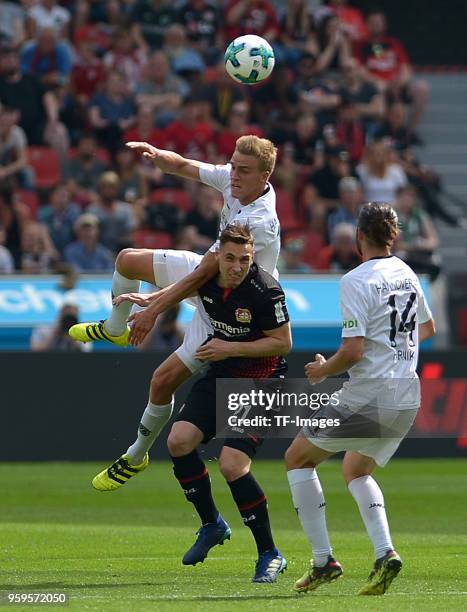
<point x="90" y="332"/>
<point x="120" y="472"/>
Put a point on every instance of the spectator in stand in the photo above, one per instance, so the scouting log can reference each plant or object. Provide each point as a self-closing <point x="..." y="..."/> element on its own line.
<point x="116" y="218"/>
<point x="305" y="139"/>
<point x="12" y="24"/>
<point x="251" y="17"/>
<point x="275" y="105"/>
<point x="133" y="183"/>
<point x="126" y="57"/>
<point x="86" y="254"/>
<point x="14" y="169"/>
<point x="50" y="15"/>
<point x="7" y="263"/>
<point x="351" y="19"/>
<point x="297" y="35"/>
<point x="112" y="111"/>
<point x="55" y="337"/>
<point x="145" y="131"/>
<point x="341" y="255"/>
<point x="48" y="59"/>
<point x="82" y="171"/>
<point x="38" y="254"/>
<point x="367" y="100"/>
<point x="334" y="47"/>
<point x="418" y="239"/>
<point x="395" y="128"/>
<point x="14" y="216"/>
<point x="38" y="109"/>
<point x="87" y="74"/>
<point x="161" y="90"/>
<point x="166" y="335"/>
<point x="94" y="28"/>
<point x="189" y="136"/>
<point x="59" y="216"/>
<point x="184" y="61"/>
<point x="316" y="95"/>
<point x="150" y="19"/>
<point x="202" y="21"/>
<point x="350" y="131"/>
<point x="387" y="65"/>
<point x="326" y="179"/>
<point x="291" y="261"/>
<point x="223" y="93"/>
<point x="380" y="177"/>
<point x="202" y="223"/>
<point x="321" y="192"/>
<point x="238" y="125"/>
<point x="350" y="201"/>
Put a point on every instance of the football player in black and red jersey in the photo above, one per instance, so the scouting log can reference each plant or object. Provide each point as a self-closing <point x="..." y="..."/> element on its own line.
<point x="246" y="307"/>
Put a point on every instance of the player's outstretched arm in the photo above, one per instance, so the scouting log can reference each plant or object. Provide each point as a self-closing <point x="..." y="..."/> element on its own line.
<point x="168" y="161"/>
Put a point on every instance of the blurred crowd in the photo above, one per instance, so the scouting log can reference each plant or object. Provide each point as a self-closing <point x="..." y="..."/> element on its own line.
<point x="79" y="78"/>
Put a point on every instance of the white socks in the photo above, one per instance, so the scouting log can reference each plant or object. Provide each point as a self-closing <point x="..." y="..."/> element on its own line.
<point x="153" y="420"/>
<point x="370" y="500"/>
<point x="115" y="325"/>
<point x="309" y="503"/>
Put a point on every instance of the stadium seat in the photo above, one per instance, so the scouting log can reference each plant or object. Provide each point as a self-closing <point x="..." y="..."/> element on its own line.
<point x="30" y="199"/>
<point x="46" y="164"/>
<point x="286" y="210"/>
<point x="150" y="239"/>
<point x="312" y="243"/>
<point x="175" y="197"/>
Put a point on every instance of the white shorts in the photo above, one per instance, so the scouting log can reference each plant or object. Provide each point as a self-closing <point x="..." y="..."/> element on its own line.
<point x="390" y="426"/>
<point x="169" y="267"/>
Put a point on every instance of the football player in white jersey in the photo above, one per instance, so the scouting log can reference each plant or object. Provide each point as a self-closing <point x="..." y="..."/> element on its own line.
<point x="249" y="199"/>
<point x="385" y="316"/>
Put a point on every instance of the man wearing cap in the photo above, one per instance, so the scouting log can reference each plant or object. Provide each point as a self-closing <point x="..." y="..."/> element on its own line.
<point x="86" y="254"/>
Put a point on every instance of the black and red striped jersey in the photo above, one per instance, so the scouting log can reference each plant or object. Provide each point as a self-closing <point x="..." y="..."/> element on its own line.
<point x="241" y="315"/>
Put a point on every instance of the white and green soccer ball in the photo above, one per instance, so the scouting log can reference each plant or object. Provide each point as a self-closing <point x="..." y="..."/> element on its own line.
<point x="249" y="59"/>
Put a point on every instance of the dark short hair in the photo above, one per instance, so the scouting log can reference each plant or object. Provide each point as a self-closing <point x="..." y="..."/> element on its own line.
<point x="379" y="222"/>
<point x="237" y="233"/>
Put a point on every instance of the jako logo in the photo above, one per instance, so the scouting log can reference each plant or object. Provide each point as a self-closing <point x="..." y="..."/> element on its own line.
<point x="375" y="505"/>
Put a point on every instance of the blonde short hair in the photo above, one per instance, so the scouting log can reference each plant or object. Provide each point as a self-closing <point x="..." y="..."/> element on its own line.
<point x="261" y="148"/>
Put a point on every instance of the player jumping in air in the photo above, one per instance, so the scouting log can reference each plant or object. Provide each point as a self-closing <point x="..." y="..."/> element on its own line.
<point x="385" y="316"/>
<point x="248" y="198"/>
<point x="251" y="333"/>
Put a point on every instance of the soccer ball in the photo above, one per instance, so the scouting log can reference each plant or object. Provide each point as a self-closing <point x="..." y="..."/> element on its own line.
<point x="249" y="59"/>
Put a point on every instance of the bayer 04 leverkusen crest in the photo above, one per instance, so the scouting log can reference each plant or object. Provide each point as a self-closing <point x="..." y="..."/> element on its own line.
<point x="243" y="315"/>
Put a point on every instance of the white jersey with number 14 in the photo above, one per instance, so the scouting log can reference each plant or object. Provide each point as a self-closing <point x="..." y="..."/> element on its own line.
<point x="382" y="300"/>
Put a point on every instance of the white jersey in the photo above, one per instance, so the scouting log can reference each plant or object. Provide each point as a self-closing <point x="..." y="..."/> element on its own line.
<point x="260" y="216"/>
<point x="382" y="300"/>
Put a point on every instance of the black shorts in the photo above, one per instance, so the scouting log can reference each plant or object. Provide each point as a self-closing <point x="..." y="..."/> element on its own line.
<point x="200" y="410"/>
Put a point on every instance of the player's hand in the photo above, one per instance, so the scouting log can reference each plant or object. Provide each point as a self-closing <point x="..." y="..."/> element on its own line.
<point x="313" y="370"/>
<point x="145" y="149"/>
<point x="214" y="350"/>
<point x="140" y="299"/>
<point x="141" y="324"/>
